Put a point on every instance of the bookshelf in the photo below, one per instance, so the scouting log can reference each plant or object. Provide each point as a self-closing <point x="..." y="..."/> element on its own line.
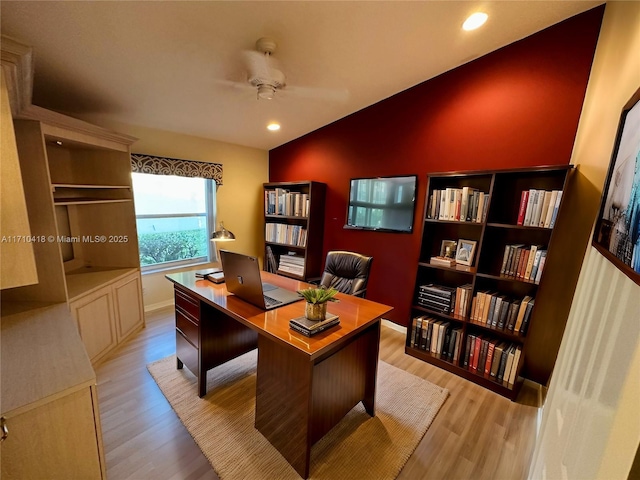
<point x="500" y="273"/>
<point x="294" y="224"/>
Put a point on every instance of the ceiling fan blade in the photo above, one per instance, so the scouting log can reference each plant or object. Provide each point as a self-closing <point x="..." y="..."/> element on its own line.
<point x="329" y="94"/>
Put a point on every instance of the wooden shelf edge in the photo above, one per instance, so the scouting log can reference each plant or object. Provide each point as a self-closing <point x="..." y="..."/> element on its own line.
<point x="88" y="201"/>
<point x="510" y="392"/>
<point x="88" y="186"/>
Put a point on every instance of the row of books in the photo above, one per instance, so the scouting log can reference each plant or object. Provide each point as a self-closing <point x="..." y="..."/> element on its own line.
<point x="281" y="201"/>
<point x="500" y="311"/>
<point x="437" y="297"/>
<point x="492" y="358"/>
<point x="286" y="234"/>
<point x="458" y="204"/>
<point x="437" y="337"/>
<point x="539" y="208"/>
<point x="292" y="264"/>
<point x="522" y="262"/>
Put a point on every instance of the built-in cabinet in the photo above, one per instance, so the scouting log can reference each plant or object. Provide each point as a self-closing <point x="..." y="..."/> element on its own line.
<point x="80" y="202"/>
<point x="49" y="400"/>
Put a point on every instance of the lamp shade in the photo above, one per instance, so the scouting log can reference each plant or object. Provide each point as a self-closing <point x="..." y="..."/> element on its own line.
<point x="222" y="235"/>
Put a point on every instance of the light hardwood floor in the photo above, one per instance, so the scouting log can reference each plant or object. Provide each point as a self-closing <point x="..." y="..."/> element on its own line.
<point x="476" y="435"/>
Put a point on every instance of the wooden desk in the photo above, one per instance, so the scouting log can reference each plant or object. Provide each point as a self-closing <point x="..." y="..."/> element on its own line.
<point x="304" y="385"/>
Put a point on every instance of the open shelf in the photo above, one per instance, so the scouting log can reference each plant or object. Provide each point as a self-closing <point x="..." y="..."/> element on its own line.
<point x="502" y="245"/>
<point x="87" y="279"/>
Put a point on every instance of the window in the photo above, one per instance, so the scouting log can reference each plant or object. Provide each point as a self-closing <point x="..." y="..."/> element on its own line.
<point x="175" y="218"/>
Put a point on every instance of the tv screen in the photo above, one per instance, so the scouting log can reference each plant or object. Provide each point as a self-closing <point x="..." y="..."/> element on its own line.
<point x="383" y="203"/>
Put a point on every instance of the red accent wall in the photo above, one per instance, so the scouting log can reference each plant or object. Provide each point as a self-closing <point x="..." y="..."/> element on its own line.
<point x="518" y="106"/>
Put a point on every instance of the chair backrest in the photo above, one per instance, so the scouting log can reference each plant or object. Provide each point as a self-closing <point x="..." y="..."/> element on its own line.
<point x="347" y="272"/>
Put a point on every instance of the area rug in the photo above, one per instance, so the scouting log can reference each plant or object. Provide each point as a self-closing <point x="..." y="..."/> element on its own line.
<point x="222" y="424"/>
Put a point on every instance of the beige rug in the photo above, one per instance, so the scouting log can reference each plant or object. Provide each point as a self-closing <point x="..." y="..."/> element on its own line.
<point x="359" y="447"/>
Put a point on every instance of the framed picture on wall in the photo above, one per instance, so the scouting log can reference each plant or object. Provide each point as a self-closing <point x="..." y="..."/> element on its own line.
<point x="465" y="252"/>
<point x="617" y="232"/>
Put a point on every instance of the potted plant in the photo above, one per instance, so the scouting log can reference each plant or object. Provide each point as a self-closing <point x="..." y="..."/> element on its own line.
<point x="317" y="298"/>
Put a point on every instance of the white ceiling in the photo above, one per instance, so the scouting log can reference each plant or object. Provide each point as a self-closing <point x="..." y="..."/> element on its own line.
<point x="163" y="64"/>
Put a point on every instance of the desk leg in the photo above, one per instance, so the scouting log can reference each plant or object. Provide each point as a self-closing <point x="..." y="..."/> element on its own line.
<point x="373" y="349"/>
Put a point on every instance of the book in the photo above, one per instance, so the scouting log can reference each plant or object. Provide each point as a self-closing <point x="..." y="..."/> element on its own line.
<point x="414" y="329"/>
<point x="457" y="346"/>
<point x="312" y="327"/>
<point x="532" y="254"/>
<point x="535" y="214"/>
<point x="504" y="311"/>
<point x="543" y="258"/>
<point x="522" y="262"/>
<point x="545" y="206"/>
<point x="481" y="206"/>
<point x="524" y="197"/>
<point x="513" y="313"/>
<point x="451" y="207"/>
<point x="434" y="336"/>
<point x="527" y="315"/>
<point x="536" y="264"/>
<point x="530" y="206"/>
<point x="521" y="312"/>
<point x="444" y="204"/>
<point x="555" y="209"/>
<point x="505" y="362"/>
<point x="487" y="366"/>
<point x="505" y="257"/>
<point x="497" y="359"/>
<point x="442" y="261"/>
<point x="514" y="367"/>
<point x="476" y="352"/>
<point x="468" y="351"/>
<point x="490" y="310"/>
<point x="549" y="213"/>
<point x="464" y="203"/>
<point x="415" y="340"/>
<point x="482" y="358"/>
<point x="424" y="334"/>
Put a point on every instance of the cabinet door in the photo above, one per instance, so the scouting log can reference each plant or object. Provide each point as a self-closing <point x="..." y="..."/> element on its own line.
<point x="127" y="297"/>
<point x="96" y="322"/>
<point x="18" y="261"/>
<point x="56" y="440"/>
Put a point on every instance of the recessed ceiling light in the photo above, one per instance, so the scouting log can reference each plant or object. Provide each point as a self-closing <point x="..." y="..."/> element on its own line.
<point x="273" y="126"/>
<point x="474" y="21"/>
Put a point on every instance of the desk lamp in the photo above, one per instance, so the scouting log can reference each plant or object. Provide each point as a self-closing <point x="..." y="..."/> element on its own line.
<point x="221" y="235"/>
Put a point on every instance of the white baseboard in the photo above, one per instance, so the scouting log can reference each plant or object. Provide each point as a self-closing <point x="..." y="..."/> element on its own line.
<point x="158" y="306"/>
<point x="394" y="326"/>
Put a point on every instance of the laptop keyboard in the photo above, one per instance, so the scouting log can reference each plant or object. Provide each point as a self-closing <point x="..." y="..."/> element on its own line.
<point x="270" y="302"/>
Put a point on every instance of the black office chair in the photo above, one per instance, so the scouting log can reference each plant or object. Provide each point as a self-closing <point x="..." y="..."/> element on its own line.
<point x="347" y="272"/>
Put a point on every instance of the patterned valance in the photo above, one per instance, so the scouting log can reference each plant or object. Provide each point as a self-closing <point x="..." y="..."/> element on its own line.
<point x="142" y="163"/>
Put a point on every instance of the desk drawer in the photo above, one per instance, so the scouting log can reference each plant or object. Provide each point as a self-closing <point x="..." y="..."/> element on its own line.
<point x="188" y="304"/>
<point x="187" y="327"/>
<point x="187" y="353"/>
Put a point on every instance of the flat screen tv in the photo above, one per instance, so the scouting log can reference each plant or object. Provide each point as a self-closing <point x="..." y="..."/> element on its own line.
<point x="385" y="204"/>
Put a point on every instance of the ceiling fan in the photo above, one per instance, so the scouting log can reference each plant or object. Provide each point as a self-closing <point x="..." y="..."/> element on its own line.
<point x="264" y="74"/>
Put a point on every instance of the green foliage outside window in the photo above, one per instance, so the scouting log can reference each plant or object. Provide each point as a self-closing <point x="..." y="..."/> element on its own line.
<point x="170" y="246"/>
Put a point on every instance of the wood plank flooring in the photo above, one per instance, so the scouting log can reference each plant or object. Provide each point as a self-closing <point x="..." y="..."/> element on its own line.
<point x="476" y="435"/>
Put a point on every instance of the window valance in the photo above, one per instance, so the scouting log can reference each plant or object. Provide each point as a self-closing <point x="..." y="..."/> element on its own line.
<point x="141" y="163"/>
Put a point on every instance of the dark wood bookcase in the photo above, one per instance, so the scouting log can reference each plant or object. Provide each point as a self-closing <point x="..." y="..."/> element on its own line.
<point x="297" y="218"/>
<point x="499" y="228"/>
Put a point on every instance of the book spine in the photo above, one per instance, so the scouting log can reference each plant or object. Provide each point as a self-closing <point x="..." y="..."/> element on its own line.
<point x="530" y="205"/>
<point x="555" y="209"/>
<point x="514" y="368"/>
<point x="487" y="366"/>
<point x="503" y="363"/>
<point x="524" y="197"/>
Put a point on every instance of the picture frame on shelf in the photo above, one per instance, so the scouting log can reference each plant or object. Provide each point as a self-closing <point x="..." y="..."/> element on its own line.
<point x="448" y="249"/>
<point x="465" y="251"/>
<point x="617" y="232"/>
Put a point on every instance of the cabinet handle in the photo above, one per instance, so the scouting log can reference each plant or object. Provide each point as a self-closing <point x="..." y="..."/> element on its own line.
<point x="5" y="430"/>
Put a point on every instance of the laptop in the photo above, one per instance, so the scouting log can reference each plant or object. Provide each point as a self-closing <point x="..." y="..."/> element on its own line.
<point x="242" y="276"/>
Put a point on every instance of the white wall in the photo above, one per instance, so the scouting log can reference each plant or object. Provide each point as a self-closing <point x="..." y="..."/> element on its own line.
<point x="591" y="420"/>
<point x="239" y="198"/>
